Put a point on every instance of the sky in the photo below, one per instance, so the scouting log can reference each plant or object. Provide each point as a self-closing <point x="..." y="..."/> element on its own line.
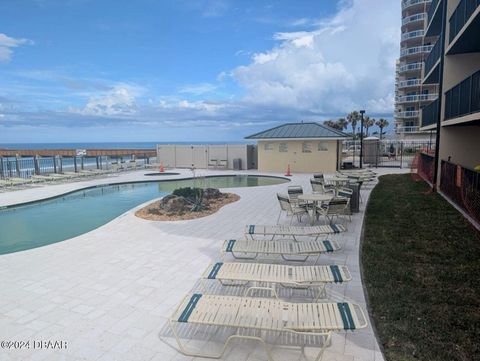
<point x="190" y="70"/>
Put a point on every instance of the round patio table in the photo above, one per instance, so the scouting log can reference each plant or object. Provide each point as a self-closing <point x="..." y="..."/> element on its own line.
<point x="312" y="200"/>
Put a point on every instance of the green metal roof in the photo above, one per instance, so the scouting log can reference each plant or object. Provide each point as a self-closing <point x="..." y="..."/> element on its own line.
<point x="299" y="130"/>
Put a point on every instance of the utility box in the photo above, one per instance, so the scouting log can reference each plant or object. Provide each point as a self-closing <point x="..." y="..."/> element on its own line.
<point x="355" y="198"/>
<point x="237" y="163"/>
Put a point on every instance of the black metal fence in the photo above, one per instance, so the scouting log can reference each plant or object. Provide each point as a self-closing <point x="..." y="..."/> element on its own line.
<point x="462" y="186"/>
<point x="464" y="98"/>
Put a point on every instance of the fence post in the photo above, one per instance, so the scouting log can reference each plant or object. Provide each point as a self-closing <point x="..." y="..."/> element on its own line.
<point x="36" y="164"/>
<point x="401" y="154"/>
<point x="54" y="164"/>
<point x="17" y="165"/>
<point x="96" y="159"/>
<point x="60" y="164"/>
<point x="2" y="170"/>
<point x="81" y="162"/>
<point x="75" y="164"/>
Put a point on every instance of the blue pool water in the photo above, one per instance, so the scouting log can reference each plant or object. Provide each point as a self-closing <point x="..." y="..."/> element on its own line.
<point x="57" y="219"/>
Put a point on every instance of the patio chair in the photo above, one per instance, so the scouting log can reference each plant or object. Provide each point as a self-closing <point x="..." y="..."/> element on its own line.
<point x="249" y="316"/>
<point x="317" y="185"/>
<point x="289" y="250"/>
<point x="254" y="231"/>
<point x="309" y="278"/>
<point x="319" y="176"/>
<point x="335" y="208"/>
<point x="293" y="193"/>
<point x="290" y="209"/>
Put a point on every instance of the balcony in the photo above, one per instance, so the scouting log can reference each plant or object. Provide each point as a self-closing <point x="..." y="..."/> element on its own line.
<point x="407" y="114"/>
<point x="416" y="98"/>
<point x="407" y="129"/>
<point x="409" y="83"/>
<point x="412" y="35"/>
<point x="414" y="18"/>
<point x="464" y="98"/>
<point x="464" y="28"/>
<point x="410" y="67"/>
<point x="432" y="73"/>
<point x="409" y="3"/>
<point x="430" y="114"/>
<point x="434" y="26"/>
<point x="416" y="50"/>
<point x="461" y="15"/>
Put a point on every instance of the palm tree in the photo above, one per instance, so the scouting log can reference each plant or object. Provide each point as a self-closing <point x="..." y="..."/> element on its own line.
<point x="353" y="118"/>
<point x="342" y="123"/>
<point x="367" y="123"/>
<point x="331" y="124"/>
<point x="381" y="123"/>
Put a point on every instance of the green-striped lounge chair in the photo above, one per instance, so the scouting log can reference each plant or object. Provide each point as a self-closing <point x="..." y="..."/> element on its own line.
<point x="289" y="250"/>
<point x="243" y="314"/>
<point x="254" y="231"/>
<point x="313" y="278"/>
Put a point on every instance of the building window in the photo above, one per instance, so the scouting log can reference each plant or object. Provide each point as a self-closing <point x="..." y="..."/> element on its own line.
<point x="268" y="146"/>
<point x="322" y="146"/>
<point x="283" y="147"/>
<point x="307" y="147"/>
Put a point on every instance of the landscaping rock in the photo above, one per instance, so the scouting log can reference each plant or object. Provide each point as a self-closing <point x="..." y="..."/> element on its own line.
<point x="174" y="204"/>
<point x="212" y="193"/>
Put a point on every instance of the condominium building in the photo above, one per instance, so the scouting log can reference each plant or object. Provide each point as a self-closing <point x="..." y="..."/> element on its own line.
<point x="454" y="63"/>
<point x="411" y="94"/>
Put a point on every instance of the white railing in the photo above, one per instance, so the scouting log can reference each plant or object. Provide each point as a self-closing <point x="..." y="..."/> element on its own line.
<point x="413" y="34"/>
<point x="407" y="129"/>
<point x="414" y="18"/>
<point x="410" y="67"/>
<point x="407" y="114"/>
<point x="416" y="50"/>
<point x="409" y="83"/>
<point x="416" y="98"/>
<point x="408" y="3"/>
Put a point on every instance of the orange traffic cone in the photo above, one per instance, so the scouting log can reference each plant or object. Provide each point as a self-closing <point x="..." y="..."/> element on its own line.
<point x="161" y="168"/>
<point x="288" y="174"/>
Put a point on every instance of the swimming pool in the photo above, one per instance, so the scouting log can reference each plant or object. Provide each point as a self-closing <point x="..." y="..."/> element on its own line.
<point x="49" y="221"/>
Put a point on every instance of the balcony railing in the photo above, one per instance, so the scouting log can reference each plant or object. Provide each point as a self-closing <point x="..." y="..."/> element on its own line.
<point x="431" y="10"/>
<point x="430" y="114"/>
<point x="464" y="98"/>
<point x="407" y="114"/>
<point x="410" y="67"/>
<point x="433" y="56"/>
<point x="408" y="3"/>
<point x="409" y="83"/>
<point x="412" y="34"/>
<point x="416" y="50"/>
<point x="416" y="98"/>
<point x="414" y="18"/>
<point x="408" y="129"/>
<point x="460" y="16"/>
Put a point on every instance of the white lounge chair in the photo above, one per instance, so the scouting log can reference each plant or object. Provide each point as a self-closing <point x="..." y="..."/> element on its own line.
<point x="289" y="250"/>
<point x="253" y="231"/>
<point x="244" y="314"/>
<point x="310" y="278"/>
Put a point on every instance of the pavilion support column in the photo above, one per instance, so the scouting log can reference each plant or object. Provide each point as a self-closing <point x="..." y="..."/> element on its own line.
<point x="17" y="165"/>
<point x="75" y="164"/>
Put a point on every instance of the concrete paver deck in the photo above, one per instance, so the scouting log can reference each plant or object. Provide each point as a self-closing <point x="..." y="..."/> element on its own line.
<point x="108" y="293"/>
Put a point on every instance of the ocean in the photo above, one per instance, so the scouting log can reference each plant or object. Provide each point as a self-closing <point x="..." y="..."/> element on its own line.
<point x="103" y="145"/>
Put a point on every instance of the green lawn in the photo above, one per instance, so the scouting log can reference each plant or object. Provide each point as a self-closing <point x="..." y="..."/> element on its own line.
<point x="421" y="267"/>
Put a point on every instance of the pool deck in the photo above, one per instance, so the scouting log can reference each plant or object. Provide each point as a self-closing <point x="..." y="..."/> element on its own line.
<point x="108" y="293"/>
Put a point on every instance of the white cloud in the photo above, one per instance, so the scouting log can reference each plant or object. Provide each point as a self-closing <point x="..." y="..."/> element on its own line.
<point x="6" y="45"/>
<point x="120" y="100"/>
<point x="346" y="62"/>
<point x="198" y="89"/>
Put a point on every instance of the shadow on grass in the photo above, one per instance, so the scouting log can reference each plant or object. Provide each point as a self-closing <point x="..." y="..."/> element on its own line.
<point x="421" y="267"/>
